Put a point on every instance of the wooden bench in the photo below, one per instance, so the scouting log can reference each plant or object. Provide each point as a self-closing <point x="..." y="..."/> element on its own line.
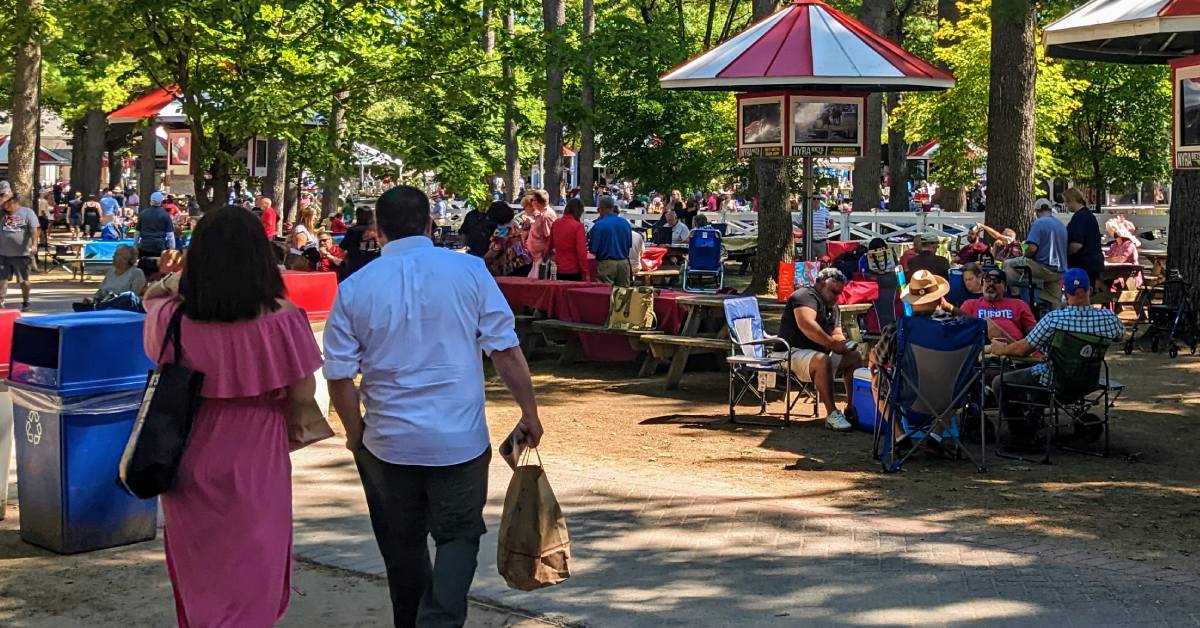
<point x="677" y="349"/>
<point x="525" y="333"/>
<point x="567" y="333"/>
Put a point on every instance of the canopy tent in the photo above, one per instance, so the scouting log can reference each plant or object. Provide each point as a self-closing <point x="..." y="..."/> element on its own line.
<point x="1127" y="31"/>
<point x="809" y="45"/>
<point x="160" y="104"/>
<point x="926" y="151"/>
<point x="368" y="156"/>
<point x="46" y="157"/>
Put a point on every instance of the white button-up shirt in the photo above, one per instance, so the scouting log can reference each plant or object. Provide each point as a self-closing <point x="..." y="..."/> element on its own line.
<point x="415" y="323"/>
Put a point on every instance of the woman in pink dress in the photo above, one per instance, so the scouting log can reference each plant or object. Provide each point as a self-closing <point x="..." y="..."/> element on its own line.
<point x="229" y="516"/>
<point x="538" y="240"/>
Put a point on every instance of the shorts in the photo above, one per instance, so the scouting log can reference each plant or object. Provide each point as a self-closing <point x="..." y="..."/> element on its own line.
<point x="801" y="362"/>
<point x="14" y="266"/>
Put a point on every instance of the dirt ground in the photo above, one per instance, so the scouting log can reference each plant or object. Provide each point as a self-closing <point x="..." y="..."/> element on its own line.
<point x="1141" y="503"/>
<point x="127" y="587"/>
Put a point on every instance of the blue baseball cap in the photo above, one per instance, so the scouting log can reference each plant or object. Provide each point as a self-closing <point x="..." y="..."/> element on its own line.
<point x="157" y="198"/>
<point x="1076" y="279"/>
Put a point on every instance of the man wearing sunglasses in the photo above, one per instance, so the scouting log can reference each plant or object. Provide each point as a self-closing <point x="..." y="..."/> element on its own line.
<point x="1008" y="319"/>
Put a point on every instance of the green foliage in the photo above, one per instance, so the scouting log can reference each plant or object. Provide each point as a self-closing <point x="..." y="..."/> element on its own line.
<point x="958" y="117"/>
<point x="1120" y="134"/>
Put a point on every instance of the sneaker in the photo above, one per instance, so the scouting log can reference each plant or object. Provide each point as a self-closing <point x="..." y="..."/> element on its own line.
<point x="25" y="306"/>
<point x="837" y="422"/>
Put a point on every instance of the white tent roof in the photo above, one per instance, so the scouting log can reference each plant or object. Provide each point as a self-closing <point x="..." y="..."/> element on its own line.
<point x="367" y="156"/>
<point x="1129" y="31"/>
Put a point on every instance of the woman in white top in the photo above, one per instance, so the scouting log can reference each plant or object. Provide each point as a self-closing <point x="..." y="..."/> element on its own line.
<point x="302" y="233"/>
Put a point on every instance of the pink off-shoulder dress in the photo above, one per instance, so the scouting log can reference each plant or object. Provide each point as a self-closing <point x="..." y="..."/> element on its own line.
<point x="229" y="516"/>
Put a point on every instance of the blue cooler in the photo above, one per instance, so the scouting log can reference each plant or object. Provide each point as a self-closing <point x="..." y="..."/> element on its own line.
<point x="864" y="401"/>
<point x="77" y="381"/>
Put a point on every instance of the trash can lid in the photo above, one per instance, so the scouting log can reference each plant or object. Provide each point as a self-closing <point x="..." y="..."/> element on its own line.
<point x="83" y="319"/>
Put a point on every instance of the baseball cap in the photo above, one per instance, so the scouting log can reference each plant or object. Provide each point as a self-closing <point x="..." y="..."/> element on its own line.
<point x="995" y="273"/>
<point x="1042" y="204"/>
<point x="157" y="198"/>
<point x="5" y="191"/>
<point x="1076" y="279"/>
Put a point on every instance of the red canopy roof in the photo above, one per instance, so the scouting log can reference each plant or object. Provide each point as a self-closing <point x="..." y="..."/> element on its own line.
<point x="45" y="155"/>
<point x="159" y="103"/>
<point x="808" y="44"/>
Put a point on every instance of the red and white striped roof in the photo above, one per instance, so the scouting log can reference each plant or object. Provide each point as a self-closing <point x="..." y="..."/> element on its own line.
<point x="808" y="45"/>
<point x="927" y="150"/>
<point x="160" y="104"/>
<point x="45" y="155"/>
<point x="1127" y="31"/>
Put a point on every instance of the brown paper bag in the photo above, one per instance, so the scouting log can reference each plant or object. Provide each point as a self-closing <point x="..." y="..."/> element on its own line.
<point x="534" y="550"/>
<point x="306" y="425"/>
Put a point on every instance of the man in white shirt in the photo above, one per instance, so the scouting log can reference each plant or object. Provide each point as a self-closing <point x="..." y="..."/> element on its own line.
<point x="636" y="250"/>
<point x="414" y="323"/>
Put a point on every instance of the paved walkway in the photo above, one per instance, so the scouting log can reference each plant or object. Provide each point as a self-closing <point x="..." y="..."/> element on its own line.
<point x="648" y="551"/>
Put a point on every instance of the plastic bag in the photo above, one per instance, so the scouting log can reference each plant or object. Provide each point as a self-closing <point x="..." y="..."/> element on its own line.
<point x="52" y="403"/>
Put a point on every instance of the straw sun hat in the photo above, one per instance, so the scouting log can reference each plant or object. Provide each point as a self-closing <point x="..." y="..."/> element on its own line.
<point x="925" y="287"/>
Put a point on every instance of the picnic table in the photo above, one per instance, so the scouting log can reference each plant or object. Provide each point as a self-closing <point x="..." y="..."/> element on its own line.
<point x="75" y="261"/>
<point x="1158" y="261"/>
<point x="703" y="331"/>
<point x="538" y="295"/>
<point x="590" y="306"/>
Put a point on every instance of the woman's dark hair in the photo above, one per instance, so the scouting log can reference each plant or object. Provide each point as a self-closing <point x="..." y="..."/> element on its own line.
<point x="876" y="243"/>
<point x="402" y="212"/>
<point x="678" y="208"/>
<point x="701" y="220"/>
<point x="500" y="212"/>
<point x="364" y="216"/>
<point x="973" y="268"/>
<point x="231" y="274"/>
<point x="574" y="207"/>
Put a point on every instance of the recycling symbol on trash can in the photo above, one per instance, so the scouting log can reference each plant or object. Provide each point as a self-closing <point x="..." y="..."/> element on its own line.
<point x="33" y="427"/>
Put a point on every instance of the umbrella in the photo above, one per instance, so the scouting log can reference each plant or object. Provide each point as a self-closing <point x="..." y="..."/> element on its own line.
<point x="808" y="45"/>
<point x="160" y="104"/>
<point x="1127" y="31"/>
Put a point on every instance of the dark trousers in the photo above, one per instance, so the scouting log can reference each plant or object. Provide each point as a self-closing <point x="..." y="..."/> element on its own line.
<point x="409" y="503"/>
<point x="570" y="276"/>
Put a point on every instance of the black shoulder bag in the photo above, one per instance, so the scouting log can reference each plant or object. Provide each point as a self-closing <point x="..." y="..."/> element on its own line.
<point x="160" y="433"/>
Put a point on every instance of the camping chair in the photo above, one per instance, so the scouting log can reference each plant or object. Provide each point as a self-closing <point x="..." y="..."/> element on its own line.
<point x="705" y="261"/>
<point x="1079" y="383"/>
<point x="750" y="359"/>
<point x="935" y="384"/>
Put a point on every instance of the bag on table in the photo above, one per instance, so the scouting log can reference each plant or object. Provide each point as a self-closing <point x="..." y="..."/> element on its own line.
<point x="631" y="309"/>
<point x="533" y="550"/>
<point x="160" y="432"/>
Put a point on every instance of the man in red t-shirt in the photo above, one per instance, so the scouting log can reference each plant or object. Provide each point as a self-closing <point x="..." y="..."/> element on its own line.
<point x="1007" y="317"/>
<point x="268" y="216"/>
<point x="974" y="248"/>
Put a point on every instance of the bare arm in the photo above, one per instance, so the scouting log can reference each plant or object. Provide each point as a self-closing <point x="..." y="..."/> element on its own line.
<point x="806" y="320"/>
<point x="1074" y="247"/>
<point x="996" y="235"/>
<point x="514" y="372"/>
<point x="1019" y="348"/>
<point x="344" y="395"/>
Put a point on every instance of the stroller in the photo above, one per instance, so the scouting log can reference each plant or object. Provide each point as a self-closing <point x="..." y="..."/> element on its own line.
<point x="1174" y="319"/>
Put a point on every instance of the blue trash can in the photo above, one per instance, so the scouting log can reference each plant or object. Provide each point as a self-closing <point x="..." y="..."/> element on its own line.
<point x="77" y="381"/>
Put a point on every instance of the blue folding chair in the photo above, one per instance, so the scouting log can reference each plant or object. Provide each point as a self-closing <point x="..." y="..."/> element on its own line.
<point x="750" y="357"/>
<point x="935" y="383"/>
<point x="705" y="261"/>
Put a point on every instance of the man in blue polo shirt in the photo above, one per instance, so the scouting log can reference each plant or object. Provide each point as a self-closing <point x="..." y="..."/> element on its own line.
<point x="610" y="240"/>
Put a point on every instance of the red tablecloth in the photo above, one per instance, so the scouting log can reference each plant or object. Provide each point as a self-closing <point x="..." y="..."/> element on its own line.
<point x="590" y="305"/>
<point x="523" y="293"/>
<point x="835" y="247"/>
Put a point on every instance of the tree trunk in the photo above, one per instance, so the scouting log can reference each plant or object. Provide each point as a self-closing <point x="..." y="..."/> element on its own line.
<point x="868" y="169"/>
<point x="146" y="182"/>
<point x="115" y="169"/>
<point x="764" y="8"/>
<point x="775" y="243"/>
<point x="897" y="156"/>
<point x="554" y="16"/>
<point x="954" y="199"/>
<point x="1184" y="229"/>
<point x="78" y="131"/>
<point x="1011" y="132"/>
<point x="512" y="147"/>
<point x="489" y="35"/>
<point x="774" y="220"/>
<point x="587" y="143"/>
<point x="333" y="176"/>
<point x="27" y="71"/>
<point x="93" y="152"/>
<point x="274" y="186"/>
<point x="708" y="24"/>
